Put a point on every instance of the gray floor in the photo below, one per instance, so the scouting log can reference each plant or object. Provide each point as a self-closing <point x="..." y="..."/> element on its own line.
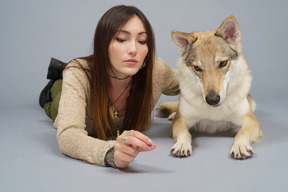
<point x="31" y="161"/>
<point x="31" y="32"/>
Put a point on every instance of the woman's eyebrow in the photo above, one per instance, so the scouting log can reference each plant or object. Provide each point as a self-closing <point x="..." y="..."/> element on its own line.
<point x="128" y="33"/>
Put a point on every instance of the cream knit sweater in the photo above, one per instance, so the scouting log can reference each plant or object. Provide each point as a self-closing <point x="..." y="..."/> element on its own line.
<point x="75" y="119"/>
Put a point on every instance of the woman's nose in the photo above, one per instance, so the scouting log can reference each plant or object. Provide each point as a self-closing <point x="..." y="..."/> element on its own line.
<point x="132" y="48"/>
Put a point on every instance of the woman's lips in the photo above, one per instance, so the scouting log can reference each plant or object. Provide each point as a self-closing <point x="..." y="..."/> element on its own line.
<point x="131" y="61"/>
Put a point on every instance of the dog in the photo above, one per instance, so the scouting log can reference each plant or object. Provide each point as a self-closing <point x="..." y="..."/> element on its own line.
<point x="214" y="81"/>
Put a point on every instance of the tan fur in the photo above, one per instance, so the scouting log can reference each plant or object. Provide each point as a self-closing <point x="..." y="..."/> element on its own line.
<point x="215" y="81"/>
<point x="167" y="108"/>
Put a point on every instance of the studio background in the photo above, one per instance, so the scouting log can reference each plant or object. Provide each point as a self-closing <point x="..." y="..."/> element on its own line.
<point x="33" y="31"/>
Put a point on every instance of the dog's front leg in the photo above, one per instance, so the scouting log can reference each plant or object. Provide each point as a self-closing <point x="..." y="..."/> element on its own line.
<point x="180" y="132"/>
<point x="248" y="134"/>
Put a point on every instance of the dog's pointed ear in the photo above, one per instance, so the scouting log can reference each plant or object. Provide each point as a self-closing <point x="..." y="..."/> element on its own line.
<point x="183" y="40"/>
<point x="229" y="30"/>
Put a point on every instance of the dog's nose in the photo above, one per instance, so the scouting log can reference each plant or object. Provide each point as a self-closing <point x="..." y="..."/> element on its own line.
<point x="213" y="99"/>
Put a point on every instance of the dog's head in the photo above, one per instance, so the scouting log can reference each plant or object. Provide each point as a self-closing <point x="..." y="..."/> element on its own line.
<point x="210" y="55"/>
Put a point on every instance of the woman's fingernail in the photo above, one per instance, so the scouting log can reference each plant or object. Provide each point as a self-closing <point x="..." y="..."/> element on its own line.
<point x="149" y="141"/>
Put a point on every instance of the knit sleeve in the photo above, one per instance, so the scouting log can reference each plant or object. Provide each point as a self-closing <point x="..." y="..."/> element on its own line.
<point x="73" y="139"/>
<point x="169" y="82"/>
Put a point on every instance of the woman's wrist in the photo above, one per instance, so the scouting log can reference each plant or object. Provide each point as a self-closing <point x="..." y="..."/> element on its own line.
<point x="109" y="158"/>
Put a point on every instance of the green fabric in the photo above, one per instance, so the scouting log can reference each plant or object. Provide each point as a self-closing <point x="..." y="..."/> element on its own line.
<point x="51" y="108"/>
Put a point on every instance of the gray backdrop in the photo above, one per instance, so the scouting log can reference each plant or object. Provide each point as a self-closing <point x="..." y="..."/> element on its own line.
<point x="32" y="31"/>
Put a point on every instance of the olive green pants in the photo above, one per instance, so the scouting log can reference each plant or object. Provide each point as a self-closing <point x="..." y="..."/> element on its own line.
<point x="51" y="108"/>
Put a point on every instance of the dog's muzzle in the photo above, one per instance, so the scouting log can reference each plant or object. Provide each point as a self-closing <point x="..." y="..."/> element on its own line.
<point x="213" y="99"/>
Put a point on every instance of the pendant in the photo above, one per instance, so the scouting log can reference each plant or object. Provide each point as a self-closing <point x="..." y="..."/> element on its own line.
<point x="116" y="113"/>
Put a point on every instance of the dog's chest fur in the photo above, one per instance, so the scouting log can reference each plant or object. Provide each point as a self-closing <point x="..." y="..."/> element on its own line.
<point x="204" y="118"/>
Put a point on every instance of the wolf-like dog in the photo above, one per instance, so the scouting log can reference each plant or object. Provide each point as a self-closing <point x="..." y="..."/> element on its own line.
<point x="215" y="81"/>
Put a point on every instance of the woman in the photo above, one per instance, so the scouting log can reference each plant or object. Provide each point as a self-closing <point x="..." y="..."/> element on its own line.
<point x="111" y="93"/>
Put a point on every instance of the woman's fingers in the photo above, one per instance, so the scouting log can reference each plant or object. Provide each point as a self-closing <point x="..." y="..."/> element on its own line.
<point x="135" y="142"/>
<point x="141" y="137"/>
<point x="139" y="140"/>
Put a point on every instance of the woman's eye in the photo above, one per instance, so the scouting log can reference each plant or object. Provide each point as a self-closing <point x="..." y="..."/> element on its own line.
<point x="196" y="68"/>
<point x="223" y="63"/>
<point x="142" y="42"/>
<point x="120" y="40"/>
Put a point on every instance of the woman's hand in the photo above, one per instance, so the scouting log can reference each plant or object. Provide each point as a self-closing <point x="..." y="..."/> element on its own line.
<point x="128" y="145"/>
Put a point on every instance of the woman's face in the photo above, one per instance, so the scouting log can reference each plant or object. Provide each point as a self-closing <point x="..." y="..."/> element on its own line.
<point x="128" y="48"/>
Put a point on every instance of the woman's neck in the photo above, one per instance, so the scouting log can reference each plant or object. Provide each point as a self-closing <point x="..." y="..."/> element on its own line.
<point x="120" y="84"/>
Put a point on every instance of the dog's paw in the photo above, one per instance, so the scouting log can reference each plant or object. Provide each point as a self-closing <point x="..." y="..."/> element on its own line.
<point x="241" y="151"/>
<point x="180" y="149"/>
<point x="171" y="117"/>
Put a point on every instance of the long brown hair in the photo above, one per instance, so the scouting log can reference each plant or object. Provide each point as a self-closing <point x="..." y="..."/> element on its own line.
<point x="139" y="102"/>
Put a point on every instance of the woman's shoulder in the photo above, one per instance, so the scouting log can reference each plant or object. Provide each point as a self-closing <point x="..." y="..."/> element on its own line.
<point x="77" y="69"/>
<point x="158" y="62"/>
<point x="161" y="66"/>
<point x="82" y="62"/>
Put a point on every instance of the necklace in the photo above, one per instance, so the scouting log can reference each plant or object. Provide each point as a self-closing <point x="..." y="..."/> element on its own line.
<point x="115" y="110"/>
<point x="121" y="95"/>
<point x="116" y="118"/>
<point x="115" y="77"/>
<point x="120" y="78"/>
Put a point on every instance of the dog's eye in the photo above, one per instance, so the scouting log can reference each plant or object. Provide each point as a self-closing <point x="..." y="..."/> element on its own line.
<point x="223" y="63"/>
<point x="196" y="68"/>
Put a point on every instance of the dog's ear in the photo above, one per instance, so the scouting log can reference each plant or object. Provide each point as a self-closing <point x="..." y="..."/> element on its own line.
<point x="183" y="40"/>
<point x="229" y="30"/>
